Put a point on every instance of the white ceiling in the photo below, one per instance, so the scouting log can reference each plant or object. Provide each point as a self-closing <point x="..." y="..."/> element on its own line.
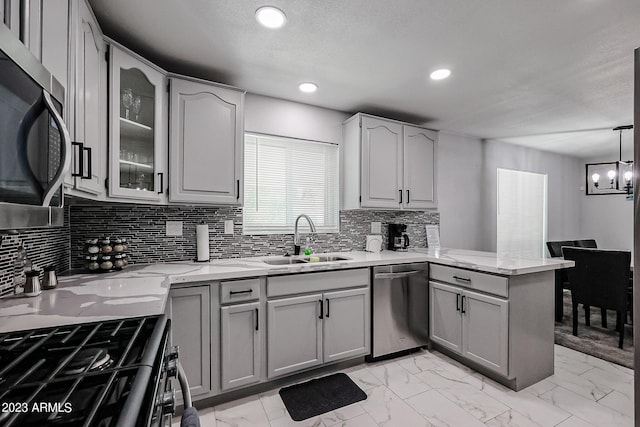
<point x="555" y="75"/>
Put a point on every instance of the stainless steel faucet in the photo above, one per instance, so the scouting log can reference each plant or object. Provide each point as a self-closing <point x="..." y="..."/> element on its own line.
<point x="296" y="237"/>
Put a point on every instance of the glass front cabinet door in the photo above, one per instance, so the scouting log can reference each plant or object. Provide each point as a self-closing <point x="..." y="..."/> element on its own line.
<point x="138" y="147"/>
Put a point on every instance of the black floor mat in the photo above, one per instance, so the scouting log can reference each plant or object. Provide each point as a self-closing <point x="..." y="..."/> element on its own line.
<point x="321" y="395"/>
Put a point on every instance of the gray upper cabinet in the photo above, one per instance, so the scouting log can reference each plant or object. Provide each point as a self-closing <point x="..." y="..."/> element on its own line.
<point x="388" y="164"/>
<point x="89" y="102"/>
<point x="138" y="128"/>
<point x="419" y="183"/>
<point x="381" y="176"/>
<point x="240" y="344"/>
<point x="206" y="143"/>
<point x="346" y="324"/>
<point x="55" y="45"/>
<point x="189" y="309"/>
<point x="11" y="16"/>
<point x="295" y="334"/>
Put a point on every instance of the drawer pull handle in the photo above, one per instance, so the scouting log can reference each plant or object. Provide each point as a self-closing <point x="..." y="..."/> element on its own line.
<point x="248" y="291"/>
<point x="463" y="279"/>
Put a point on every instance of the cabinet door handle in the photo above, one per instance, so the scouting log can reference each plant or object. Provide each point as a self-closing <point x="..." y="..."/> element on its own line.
<point x="89" y="171"/>
<point x="321" y="309"/>
<point x="257" y="319"/>
<point x="237" y="188"/>
<point x="248" y="291"/>
<point x="400" y="196"/>
<point x="327" y="307"/>
<point x="463" y="310"/>
<point x="407" y="196"/>
<point x="161" y="175"/>
<point x="462" y="279"/>
<point x="80" y="146"/>
<point x="457" y="302"/>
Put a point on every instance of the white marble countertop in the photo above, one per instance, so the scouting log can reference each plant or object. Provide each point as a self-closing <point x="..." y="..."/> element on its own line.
<point x="142" y="290"/>
<point x="491" y="262"/>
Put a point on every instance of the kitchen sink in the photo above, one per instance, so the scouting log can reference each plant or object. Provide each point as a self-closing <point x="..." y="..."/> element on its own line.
<point x="284" y="261"/>
<point x="329" y="258"/>
<point x="305" y="260"/>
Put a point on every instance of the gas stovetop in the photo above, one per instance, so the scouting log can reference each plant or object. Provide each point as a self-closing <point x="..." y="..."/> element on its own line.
<point x="91" y="374"/>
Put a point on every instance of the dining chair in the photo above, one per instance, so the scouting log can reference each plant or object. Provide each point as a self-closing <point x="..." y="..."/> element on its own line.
<point x="585" y="243"/>
<point x="555" y="248"/>
<point x="591" y="243"/>
<point x="600" y="278"/>
<point x="562" y="279"/>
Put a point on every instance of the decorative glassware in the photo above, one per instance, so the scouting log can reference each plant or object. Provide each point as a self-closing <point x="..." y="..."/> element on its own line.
<point x="137" y="106"/>
<point x="127" y="101"/>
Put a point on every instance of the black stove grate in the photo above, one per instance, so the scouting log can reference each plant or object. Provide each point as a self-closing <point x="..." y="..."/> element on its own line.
<point x="80" y="375"/>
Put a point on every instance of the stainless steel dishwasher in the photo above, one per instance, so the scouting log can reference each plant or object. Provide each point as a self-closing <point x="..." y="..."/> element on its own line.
<point x="400" y="308"/>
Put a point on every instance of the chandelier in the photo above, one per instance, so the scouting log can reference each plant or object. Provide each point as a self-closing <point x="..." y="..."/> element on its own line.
<point x="619" y="174"/>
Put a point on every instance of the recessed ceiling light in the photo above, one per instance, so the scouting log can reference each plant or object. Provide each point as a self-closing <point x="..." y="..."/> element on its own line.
<point x="308" y="87"/>
<point x="271" y="17"/>
<point x="440" y="74"/>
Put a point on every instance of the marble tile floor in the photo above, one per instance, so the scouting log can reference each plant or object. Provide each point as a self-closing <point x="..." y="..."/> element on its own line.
<point x="430" y="389"/>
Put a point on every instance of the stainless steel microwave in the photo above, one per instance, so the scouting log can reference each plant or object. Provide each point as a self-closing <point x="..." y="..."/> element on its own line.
<point x="35" y="148"/>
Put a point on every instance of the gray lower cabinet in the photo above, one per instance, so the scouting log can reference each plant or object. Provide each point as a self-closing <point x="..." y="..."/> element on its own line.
<point x="294" y="340"/>
<point x="445" y="321"/>
<point x="310" y="330"/>
<point x="485" y="331"/>
<point x="240" y="344"/>
<point x="189" y="309"/>
<point x="487" y="320"/>
<point x="346" y="324"/>
<point x="471" y="324"/>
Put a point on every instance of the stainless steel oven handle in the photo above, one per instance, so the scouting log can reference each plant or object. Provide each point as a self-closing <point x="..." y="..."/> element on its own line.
<point x="184" y="385"/>
<point x="397" y="275"/>
<point x="66" y="150"/>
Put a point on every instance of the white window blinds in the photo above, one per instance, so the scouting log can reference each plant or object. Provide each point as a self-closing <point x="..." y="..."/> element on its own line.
<point x="285" y="177"/>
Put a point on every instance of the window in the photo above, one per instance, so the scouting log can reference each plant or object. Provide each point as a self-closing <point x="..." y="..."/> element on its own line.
<point x="284" y="177"/>
<point x="522" y="213"/>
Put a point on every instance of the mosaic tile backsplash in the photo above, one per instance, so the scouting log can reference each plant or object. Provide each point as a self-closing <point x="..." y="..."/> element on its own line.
<point x="45" y="246"/>
<point x="144" y="227"/>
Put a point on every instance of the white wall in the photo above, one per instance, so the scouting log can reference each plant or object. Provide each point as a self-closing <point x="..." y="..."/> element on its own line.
<point x="467" y="196"/>
<point x="606" y="218"/>
<point x="563" y="180"/>
<point x="275" y="116"/>
<point x="460" y="195"/>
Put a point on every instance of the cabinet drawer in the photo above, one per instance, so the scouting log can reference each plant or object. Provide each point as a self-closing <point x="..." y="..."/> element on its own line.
<point x="483" y="282"/>
<point x="315" y="282"/>
<point x="239" y="290"/>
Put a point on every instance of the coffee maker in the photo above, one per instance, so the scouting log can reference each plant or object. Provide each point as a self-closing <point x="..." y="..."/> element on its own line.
<point x="398" y="238"/>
